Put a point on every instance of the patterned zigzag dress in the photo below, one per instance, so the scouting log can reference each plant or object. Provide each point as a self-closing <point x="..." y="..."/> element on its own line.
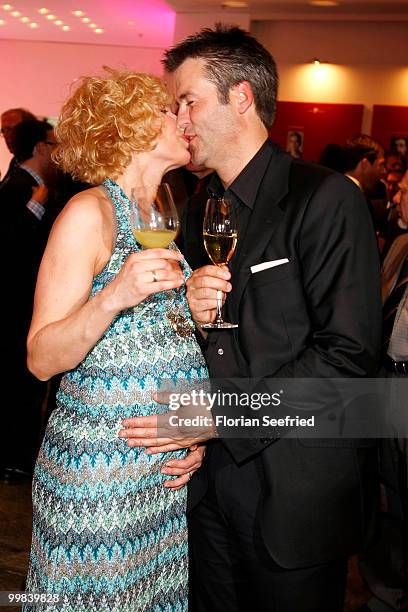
<point x="106" y="534"/>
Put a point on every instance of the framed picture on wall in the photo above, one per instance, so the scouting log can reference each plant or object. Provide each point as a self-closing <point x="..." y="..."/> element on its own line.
<point x="399" y="144"/>
<point x="294" y="142"/>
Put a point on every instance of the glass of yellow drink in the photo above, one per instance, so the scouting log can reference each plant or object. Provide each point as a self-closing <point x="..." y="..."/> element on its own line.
<point x="153" y="216"/>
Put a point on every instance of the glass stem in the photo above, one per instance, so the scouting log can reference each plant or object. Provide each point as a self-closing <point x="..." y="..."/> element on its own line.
<point x="219" y="306"/>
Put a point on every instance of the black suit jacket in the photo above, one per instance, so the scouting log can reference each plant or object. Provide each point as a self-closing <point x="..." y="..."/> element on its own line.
<point x="318" y="316"/>
<point x="13" y="166"/>
<point x="23" y="245"/>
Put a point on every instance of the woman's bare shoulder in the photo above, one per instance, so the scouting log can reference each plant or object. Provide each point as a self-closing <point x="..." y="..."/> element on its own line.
<point x="91" y="201"/>
<point x="88" y="209"/>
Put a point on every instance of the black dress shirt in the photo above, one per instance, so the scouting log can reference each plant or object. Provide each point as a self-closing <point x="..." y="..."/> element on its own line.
<point x="220" y="356"/>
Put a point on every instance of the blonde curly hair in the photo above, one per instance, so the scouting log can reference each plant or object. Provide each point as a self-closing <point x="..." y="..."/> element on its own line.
<point x="105" y="120"/>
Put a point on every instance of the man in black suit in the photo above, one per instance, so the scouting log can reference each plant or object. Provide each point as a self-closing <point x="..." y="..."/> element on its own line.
<point x="274" y="518"/>
<point x="363" y="159"/>
<point x="23" y="201"/>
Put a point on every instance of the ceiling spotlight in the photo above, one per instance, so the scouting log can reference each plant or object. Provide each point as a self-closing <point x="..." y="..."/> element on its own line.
<point x="2" y="22"/>
<point x="33" y="25"/>
<point x="78" y="13"/>
<point x="316" y="61"/>
<point x="58" y="22"/>
<point x="93" y="26"/>
<point x="85" y="19"/>
<point x="7" y="7"/>
<point x="51" y="17"/>
<point x="15" y="13"/>
<point x="324" y="2"/>
<point x="25" y="19"/>
<point x="43" y="11"/>
<point x="65" y="28"/>
<point x="98" y="31"/>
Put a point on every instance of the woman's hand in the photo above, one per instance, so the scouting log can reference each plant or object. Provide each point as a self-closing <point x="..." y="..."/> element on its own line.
<point x="144" y="273"/>
<point x="183" y="468"/>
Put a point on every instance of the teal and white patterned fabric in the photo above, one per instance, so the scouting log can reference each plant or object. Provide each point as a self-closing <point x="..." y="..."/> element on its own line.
<point x="106" y="534"/>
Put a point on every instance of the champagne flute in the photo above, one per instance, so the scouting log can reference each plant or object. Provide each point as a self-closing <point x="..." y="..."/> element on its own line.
<point x="220" y="232"/>
<point x="153" y="215"/>
<point x="155" y="223"/>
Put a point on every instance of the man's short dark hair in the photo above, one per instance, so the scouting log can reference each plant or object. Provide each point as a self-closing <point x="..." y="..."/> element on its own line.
<point x="364" y="140"/>
<point x="26" y="135"/>
<point x="353" y="154"/>
<point x="361" y="146"/>
<point x="231" y="56"/>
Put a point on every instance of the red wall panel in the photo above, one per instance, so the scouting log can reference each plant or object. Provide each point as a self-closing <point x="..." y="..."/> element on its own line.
<point x="320" y="124"/>
<point x="388" y="122"/>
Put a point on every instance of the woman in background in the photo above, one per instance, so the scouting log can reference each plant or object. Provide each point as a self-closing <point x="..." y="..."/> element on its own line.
<point x="109" y="532"/>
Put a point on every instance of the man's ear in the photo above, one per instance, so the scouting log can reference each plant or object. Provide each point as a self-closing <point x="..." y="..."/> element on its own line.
<point x="362" y="165"/>
<point x="242" y="96"/>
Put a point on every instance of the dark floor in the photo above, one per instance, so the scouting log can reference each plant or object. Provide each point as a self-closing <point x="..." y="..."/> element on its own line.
<point x="15" y="537"/>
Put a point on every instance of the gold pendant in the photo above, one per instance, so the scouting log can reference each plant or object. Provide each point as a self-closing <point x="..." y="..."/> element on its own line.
<point x="180" y="324"/>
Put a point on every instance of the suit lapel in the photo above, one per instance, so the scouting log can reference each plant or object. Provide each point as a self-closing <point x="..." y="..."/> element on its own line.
<point x="264" y="220"/>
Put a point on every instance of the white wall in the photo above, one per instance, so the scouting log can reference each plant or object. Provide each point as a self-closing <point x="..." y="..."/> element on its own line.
<point x="341" y="42"/>
<point x="37" y="75"/>
<point x="189" y="23"/>
<point x="367" y="62"/>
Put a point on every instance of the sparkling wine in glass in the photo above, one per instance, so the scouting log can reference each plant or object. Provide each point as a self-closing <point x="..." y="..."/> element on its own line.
<point x="220" y="232"/>
<point x="153" y="217"/>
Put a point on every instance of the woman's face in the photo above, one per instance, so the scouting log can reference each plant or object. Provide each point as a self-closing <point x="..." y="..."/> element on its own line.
<point x="172" y="146"/>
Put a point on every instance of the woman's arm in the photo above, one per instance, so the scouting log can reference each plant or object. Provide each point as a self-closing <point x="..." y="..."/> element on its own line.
<point x="66" y="324"/>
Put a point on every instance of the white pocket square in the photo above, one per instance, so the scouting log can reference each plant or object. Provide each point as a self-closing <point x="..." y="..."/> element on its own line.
<point x="268" y="264"/>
